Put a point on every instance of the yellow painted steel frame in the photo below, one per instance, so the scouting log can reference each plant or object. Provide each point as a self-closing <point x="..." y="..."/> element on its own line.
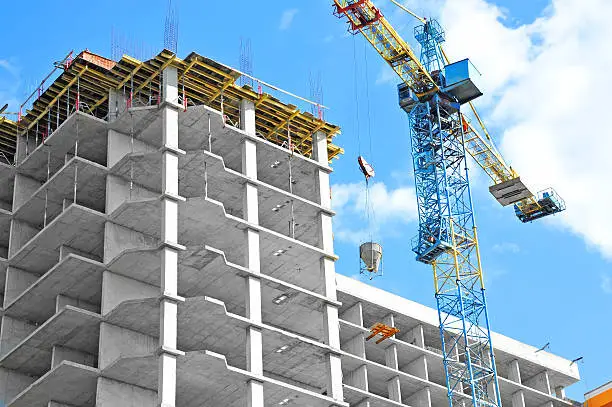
<point x="205" y="82"/>
<point x="392" y="47"/>
<point x="485" y="154"/>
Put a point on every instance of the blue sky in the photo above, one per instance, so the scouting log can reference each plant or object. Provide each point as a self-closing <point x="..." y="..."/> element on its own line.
<point x="549" y="281"/>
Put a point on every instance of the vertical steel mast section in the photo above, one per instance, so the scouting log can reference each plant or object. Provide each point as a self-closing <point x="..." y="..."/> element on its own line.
<point x="447" y="233"/>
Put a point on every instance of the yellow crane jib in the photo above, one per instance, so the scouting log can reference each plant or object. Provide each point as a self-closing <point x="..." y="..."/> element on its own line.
<point x="419" y="84"/>
<point x="366" y="18"/>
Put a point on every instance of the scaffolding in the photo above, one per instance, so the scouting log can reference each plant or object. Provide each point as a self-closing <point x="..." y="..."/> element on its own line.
<point x="86" y="81"/>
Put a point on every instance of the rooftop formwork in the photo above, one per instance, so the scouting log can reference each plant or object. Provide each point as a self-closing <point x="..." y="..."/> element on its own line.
<point x="85" y="82"/>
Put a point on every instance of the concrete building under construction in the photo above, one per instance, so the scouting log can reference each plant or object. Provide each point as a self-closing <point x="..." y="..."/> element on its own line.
<point x="166" y="240"/>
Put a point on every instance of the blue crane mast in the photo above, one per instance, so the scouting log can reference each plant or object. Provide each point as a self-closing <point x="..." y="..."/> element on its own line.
<point x="433" y="93"/>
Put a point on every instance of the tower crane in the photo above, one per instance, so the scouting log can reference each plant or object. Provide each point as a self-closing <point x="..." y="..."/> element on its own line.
<point x="434" y="92"/>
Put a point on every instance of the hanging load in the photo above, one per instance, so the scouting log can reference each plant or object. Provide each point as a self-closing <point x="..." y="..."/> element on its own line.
<point x="366" y="169"/>
<point x="370" y="254"/>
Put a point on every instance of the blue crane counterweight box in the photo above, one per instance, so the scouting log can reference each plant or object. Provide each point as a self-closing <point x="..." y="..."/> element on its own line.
<point x="462" y="81"/>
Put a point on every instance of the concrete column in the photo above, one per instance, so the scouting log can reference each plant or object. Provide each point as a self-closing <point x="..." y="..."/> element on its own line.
<point x="166" y="387"/>
<point x="415" y="336"/>
<point x="354" y="314"/>
<point x="391" y="360"/>
<point x="117" y="103"/>
<point x="328" y="271"/>
<point x="418" y="367"/>
<point x="16" y="282"/>
<point x="359" y="377"/>
<point x="514" y="372"/>
<point x="356" y="346"/>
<point x="421" y="398"/>
<point x="560" y="392"/>
<point x="518" y="399"/>
<point x="254" y="341"/>
<point x="539" y="382"/>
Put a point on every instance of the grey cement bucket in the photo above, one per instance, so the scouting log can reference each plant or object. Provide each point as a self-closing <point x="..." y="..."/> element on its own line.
<point x="371" y="255"/>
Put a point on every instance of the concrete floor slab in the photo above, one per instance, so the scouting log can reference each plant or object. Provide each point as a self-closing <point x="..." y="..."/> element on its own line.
<point x="78" y="227"/>
<point x="71" y="327"/>
<point x="194" y="127"/>
<point x="204" y="323"/>
<point x="204" y="270"/>
<point x="91" y="191"/>
<point x="88" y="130"/>
<point x="74" y="276"/>
<point x="204" y="220"/>
<point x="68" y="383"/>
<point x="225" y="385"/>
<point x="355" y="397"/>
<point x="224" y="185"/>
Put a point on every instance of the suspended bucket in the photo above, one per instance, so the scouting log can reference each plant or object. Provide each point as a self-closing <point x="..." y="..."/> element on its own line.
<point x="371" y="258"/>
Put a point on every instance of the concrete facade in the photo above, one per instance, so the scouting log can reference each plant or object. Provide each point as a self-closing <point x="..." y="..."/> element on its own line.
<point x="407" y="368"/>
<point x="162" y="257"/>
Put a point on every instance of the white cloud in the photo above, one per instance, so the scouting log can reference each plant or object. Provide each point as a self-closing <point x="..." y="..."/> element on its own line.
<point x="390" y="208"/>
<point x="387" y="75"/>
<point x="606" y="284"/>
<point x="506" y="247"/>
<point x="287" y="18"/>
<point x="546" y="85"/>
